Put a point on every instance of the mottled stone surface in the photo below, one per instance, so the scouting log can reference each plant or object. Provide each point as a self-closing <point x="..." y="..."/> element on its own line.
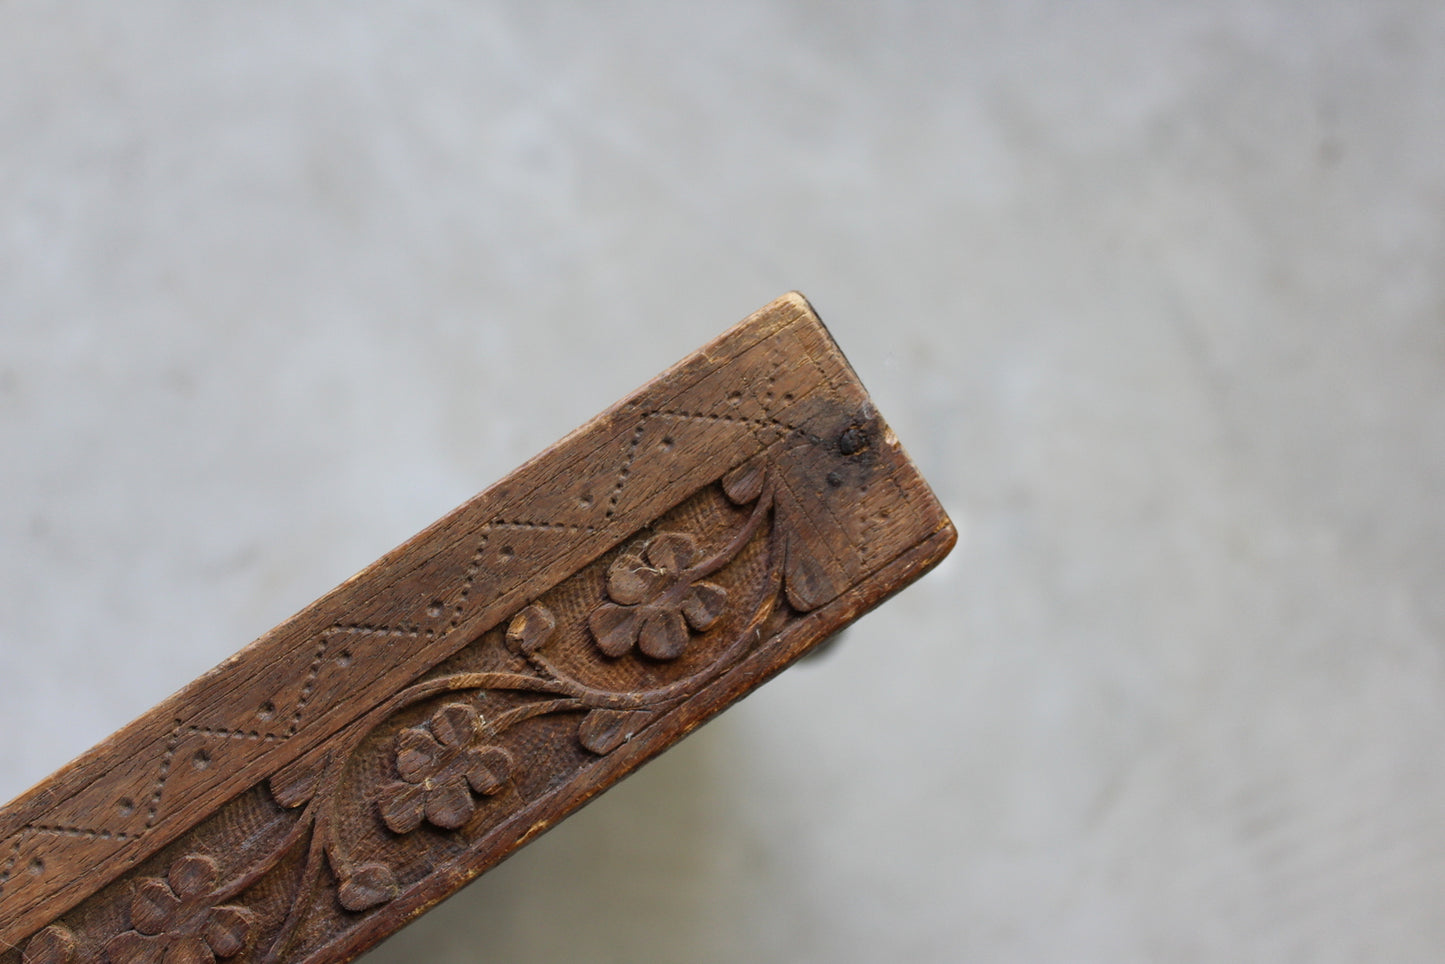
<point x="1152" y="293"/>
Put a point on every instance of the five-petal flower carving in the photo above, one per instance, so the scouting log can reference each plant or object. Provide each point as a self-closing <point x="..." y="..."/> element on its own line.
<point x="173" y="921"/>
<point x="655" y="604"/>
<point x="441" y="764"/>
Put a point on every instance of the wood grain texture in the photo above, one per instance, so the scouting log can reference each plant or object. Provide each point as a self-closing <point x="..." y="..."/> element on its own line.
<point x="416" y="725"/>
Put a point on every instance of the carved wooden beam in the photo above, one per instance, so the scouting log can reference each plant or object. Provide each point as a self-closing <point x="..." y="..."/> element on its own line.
<point x="409" y="730"/>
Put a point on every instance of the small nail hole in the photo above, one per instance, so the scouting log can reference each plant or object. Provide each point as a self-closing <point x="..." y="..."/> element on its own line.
<point x="852" y="441"/>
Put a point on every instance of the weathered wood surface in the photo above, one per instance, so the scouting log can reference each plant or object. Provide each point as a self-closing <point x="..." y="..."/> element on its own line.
<point x="372" y="754"/>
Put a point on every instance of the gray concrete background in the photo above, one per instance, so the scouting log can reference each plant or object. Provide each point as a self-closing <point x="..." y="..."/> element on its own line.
<point x="1152" y="292"/>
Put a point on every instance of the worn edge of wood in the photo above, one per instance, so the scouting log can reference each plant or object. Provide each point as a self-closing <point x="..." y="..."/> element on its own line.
<point x="771" y="321"/>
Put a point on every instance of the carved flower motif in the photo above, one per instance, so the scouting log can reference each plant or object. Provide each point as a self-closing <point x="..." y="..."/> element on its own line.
<point x="53" y="945"/>
<point x="655" y="606"/>
<point x="173" y="921"/>
<point x="441" y="764"/>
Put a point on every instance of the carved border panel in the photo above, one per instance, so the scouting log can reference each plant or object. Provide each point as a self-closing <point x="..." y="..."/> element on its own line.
<point x="413" y="727"/>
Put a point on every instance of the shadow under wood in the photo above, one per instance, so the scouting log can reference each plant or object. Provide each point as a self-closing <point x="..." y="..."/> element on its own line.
<point x="635" y="876"/>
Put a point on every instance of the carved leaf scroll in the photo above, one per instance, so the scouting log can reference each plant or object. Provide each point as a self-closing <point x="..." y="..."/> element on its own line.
<point x="603" y="730"/>
<point x="295" y="784"/>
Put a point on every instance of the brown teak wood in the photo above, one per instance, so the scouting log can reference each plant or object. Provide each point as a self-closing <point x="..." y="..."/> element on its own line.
<point x="409" y="730"/>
